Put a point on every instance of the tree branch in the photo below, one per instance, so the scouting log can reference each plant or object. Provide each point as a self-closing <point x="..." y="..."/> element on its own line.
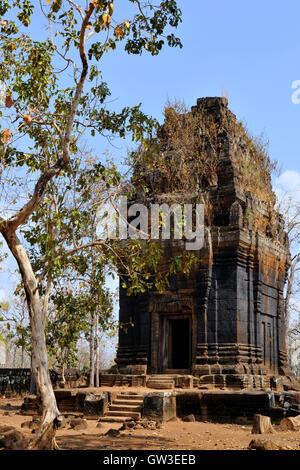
<point x="67" y="137"/>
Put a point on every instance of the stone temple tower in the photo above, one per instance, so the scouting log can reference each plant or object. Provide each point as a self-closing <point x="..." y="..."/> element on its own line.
<point x="224" y="321"/>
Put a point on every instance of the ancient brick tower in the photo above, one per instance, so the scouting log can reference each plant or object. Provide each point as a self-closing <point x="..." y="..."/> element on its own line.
<point x="224" y="321"/>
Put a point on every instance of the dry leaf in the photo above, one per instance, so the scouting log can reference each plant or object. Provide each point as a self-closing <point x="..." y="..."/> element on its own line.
<point x="8" y="101"/>
<point x="6" y="135"/>
<point x="27" y="118"/>
<point x="97" y="3"/>
<point x="110" y="8"/>
<point x="118" y="32"/>
<point x="106" y="19"/>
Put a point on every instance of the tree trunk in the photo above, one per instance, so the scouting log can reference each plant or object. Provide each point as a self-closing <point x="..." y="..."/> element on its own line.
<point x="22" y="357"/>
<point x="14" y="356"/>
<point x="32" y="381"/>
<point x="262" y="424"/>
<point x="46" y="433"/>
<point x="92" y="352"/>
<point x="97" y="349"/>
<point x="63" y="368"/>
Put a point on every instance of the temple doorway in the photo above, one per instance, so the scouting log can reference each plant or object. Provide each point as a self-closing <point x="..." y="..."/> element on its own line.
<point x="267" y="342"/>
<point x="175" y="343"/>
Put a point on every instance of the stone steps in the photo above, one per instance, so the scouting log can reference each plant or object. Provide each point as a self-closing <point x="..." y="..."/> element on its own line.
<point x="114" y="419"/>
<point x="128" y="414"/>
<point x="124" y="396"/>
<point x="161" y="382"/>
<point x="160" y="385"/>
<point x="161" y="377"/>
<point x="125" y="407"/>
<point x="127" y="402"/>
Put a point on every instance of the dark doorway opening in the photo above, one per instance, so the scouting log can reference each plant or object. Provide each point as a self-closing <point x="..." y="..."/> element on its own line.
<point x="179" y="357"/>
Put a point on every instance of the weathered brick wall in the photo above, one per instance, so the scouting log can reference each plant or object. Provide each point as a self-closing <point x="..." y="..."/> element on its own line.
<point x="17" y="381"/>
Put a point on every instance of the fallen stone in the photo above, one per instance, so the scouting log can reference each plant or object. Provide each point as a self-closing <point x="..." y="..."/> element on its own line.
<point x="189" y="418"/>
<point x="112" y="433"/>
<point x="142" y="424"/>
<point x="14" y="440"/>
<point x="61" y="422"/>
<point x="30" y="424"/>
<point x="4" y="428"/>
<point x="290" y="424"/>
<point x="263" y="444"/>
<point x="80" y="427"/>
<point x="78" y="424"/>
<point x="128" y="425"/>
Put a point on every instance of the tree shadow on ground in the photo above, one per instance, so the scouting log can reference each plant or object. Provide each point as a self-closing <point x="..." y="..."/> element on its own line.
<point x="101" y="442"/>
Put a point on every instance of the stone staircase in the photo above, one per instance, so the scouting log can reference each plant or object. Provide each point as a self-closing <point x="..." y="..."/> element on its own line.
<point x="123" y="408"/>
<point x="161" y="382"/>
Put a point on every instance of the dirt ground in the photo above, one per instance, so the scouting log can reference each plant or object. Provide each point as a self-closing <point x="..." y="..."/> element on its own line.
<point x="174" y="435"/>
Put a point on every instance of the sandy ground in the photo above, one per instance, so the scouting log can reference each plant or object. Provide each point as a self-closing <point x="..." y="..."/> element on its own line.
<point x="175" y="435"/>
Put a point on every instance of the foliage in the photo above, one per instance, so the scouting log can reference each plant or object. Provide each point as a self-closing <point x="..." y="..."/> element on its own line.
<point x="44" y="115"/>
<point x="186" y="153"/>
<point x="183" y="156"/>
<point x="39" y="113"/>
<point x="15" y="330"/>
<point x="256" y="167"/>
<point x="65" y="323"/>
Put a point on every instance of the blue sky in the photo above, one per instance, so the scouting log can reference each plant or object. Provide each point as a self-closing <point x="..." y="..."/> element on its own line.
<point x="252" y="48"/>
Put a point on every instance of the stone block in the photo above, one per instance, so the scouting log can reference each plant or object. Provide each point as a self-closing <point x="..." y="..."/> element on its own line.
<point x="216" y="369"/>
<point x="136" y="369"/>
<point x="160" y="405"/>
<point x="200" y="370"/>
<point x="188" y="403"/>
<point x="262" y="370"/>
<point x="247" y="368"/>
<point x="189" y="418"/>
<point x="138" y="381"/>
<point x="290" y="424"/>
<point x="220" y="380"/>
<point x="184" y="381"/>
<point x="207" y="379"/>
<point x="63" y="393"/>
<point x="95" y="405"/>
<point x="235" y="381"/>
<point x="233" y="369"/>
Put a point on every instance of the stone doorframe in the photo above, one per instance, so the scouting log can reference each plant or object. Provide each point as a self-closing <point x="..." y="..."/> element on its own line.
<point x="162" y="305"/>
